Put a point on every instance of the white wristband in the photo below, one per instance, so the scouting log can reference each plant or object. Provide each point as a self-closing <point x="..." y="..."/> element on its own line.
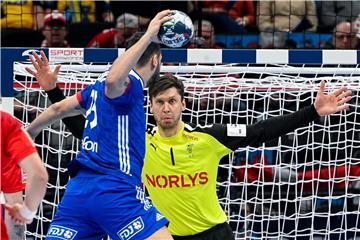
<point x="26" y="213"/>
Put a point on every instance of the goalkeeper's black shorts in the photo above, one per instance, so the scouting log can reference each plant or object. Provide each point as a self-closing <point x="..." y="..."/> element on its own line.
<point x="219" y="232"/>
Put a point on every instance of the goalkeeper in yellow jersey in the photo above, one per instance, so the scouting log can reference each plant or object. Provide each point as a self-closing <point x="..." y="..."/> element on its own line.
<point x="181" y="160"/>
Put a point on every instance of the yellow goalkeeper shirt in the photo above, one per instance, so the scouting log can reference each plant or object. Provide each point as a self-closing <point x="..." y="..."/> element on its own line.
<point x="180" y="174"/>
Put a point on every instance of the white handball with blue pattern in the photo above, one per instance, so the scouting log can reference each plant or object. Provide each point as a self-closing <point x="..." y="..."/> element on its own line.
<point x="178" y="31"/>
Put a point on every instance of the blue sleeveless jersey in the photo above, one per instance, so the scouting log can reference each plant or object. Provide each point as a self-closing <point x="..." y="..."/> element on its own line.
<point x="114" y="135"/>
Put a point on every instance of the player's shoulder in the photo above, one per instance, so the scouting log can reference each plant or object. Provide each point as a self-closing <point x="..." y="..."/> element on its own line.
<point x="98" y="85"/>
<point x="8" y="120"/>
<point x="5" y="115"/>
<point x="136" y="77"/>
<point x="206" y="131"/>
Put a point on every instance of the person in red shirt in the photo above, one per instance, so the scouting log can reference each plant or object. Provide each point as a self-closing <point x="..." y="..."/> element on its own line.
<point x="126" y="25"/>
<point x="229" y="16"/>
<point x="18" y="153"/>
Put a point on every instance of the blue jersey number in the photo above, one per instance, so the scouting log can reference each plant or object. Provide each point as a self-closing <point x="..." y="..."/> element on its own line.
<point x="92" y="109"/>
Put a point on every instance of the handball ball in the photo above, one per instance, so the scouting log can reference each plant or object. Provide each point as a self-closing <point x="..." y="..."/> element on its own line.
<point x="178" y="31"/>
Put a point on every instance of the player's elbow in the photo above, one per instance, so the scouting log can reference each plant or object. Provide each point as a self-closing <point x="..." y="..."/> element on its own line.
<point x="38" y="171"/>
<point x="34" y="169"/>
<point x="41" y="178"/>
<point x="42" y="175"/>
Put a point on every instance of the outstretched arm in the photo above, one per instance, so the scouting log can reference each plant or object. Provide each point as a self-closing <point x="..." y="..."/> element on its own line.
<point x="67" y="107"/>
<point x="117" y="79"/>
<point x="277" y="126"/>
<point x="324" y="105"/>
<point x="76" y="123"/>
<point x="47" y="80"/>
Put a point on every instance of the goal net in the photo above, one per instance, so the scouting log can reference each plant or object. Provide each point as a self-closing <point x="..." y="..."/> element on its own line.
<point x="304" y="185"/>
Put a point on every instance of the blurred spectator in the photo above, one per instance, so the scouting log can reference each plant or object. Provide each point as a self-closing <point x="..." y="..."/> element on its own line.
<point x="357" y="26"/>
<point x="272" y="39"/>
<point x="344" y="37"/>
<point x="291" y="44"/>
<point x="54" y="30"/>
<point x="287" y="15"/>
<point x="148" y="9"/>
<point x="229" y="16"/>
<point x="126" y="25"/>
<point x="85" y="11"/>
<point x="308" y="43"/>
<point x="207" y="37"/>
<point x="22" y="14"/>
<point x="333" y="12"/>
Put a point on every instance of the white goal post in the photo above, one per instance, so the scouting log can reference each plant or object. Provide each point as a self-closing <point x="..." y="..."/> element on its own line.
<point x="304" y="185"/>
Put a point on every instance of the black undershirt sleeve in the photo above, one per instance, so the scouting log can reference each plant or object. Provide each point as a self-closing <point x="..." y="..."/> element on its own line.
<point x="277" y="126"/>
<point x="75" y="124"/>
<point x="264" y="130"/>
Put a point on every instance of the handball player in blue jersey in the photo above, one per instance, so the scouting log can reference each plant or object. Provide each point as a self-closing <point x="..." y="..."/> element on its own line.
<point x="104" y="195"/>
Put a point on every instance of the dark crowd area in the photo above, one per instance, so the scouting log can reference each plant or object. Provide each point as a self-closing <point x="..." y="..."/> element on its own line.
<point x="217" y="24"/>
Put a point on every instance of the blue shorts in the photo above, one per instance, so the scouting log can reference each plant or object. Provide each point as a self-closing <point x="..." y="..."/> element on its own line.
<point x="96" y="205"/>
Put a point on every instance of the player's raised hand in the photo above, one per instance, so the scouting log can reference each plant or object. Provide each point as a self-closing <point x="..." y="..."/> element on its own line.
<point x="331" y="103"/>
<point x="17" y="212"/>
<point x="43" y="73"/>
<point x="154" y="25"/>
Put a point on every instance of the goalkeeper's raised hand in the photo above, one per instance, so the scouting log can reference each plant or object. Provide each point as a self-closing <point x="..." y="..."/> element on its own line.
<point x="326" y="104"/>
